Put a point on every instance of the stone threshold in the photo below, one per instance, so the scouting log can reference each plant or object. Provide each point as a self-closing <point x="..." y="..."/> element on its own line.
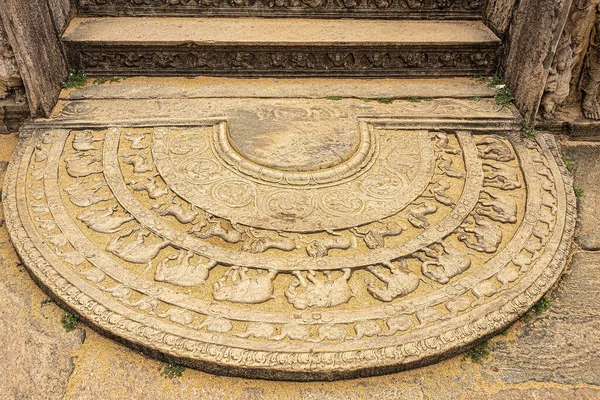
<point x="281" y="31"/>
<point x="416" y="90"/>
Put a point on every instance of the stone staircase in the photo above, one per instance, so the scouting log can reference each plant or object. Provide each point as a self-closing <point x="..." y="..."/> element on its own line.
<point x="328" y="38"/>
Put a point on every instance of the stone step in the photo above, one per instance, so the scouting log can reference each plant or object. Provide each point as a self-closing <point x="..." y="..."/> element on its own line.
<point x="383" y="9"/>
<point x="338" y="89"/>
<point x="279" y="47"/>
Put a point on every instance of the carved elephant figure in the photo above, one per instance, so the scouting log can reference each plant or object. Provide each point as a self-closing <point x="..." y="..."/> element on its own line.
<point x="400" y="282"/>
<point x="320" y="293"/>
<point x="136" y="251"/>
<point x="446" y="264"/>
<point x="243" y="288"/>
<point x="183" y="272"/>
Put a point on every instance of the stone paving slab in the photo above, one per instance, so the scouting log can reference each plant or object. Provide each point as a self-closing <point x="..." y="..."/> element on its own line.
<point x="587" y="175"/>
<point x="36" y="356"/>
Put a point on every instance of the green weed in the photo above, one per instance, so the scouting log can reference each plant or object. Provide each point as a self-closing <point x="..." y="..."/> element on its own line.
<point x="334" y="98"/>
<point x="75" y="79"/>
<point x="496" y="81"/>
<point x="578" y="191"/>
<point x="541" y="306"/>
<point x="568" y="163"/>
<point x="172" y="370"/>
<point x="69" y="321"/>
<point x="478" y="353"/>
<point x="385" y="100"/>
<point x="504" y="96"/>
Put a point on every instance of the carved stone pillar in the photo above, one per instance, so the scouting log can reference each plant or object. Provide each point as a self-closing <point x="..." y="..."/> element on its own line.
<point x="575" y="74"/>
<point x="10" y="78"/>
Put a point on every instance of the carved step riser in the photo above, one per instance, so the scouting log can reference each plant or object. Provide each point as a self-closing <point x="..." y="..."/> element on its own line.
<point x="385" y="9"/>
<point x="358" y="61"/>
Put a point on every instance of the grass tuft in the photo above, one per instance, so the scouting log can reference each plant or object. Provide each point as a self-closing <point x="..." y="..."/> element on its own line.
<point x="478" y="353"/>
<point x="69" y="321"/>
<point x="75" y="79"/>
<point x="385" y="100"/>
<point x="496" y="81"/>
<point x="504" y="96"/>
<point x="334" y="98"/>
<point x="541" y="306"/>
<point x="529" y="132"/>
<point x="578" y="191"/>
<point x="172" y="370"/>
<point x="568" y="163"/>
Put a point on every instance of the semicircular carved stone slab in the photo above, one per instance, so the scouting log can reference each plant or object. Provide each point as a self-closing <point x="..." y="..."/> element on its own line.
<point x="373" y="245"/>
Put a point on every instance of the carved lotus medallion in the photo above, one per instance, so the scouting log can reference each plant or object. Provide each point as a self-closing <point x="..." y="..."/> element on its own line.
<point x="292" y="247"/>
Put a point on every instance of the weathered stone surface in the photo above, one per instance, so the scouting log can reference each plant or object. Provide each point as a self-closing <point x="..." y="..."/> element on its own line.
<point x="546" y="394"/>
<point x="499" y="14"/>
<point x="10" y="78"/>
<point x="61" y="13"/>
<point x="532" y="42"/>
<point x="297" y="239"/>
<point x="35" y="41"/>
<point x="562" y="346"/>
<point x="13" y="112"/>
<point x="465" y="9"/>
<point x="280" y="47"/>
<point x="316" y="88"/>
<point x="36" y="359"/>
<point x="587" y="177"/>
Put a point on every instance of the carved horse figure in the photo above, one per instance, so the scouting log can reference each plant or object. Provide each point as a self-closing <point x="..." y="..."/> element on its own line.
<point x="501" y="176"/>
<point x="320" y="293"/>
<point x="445" y="166"/>
<point x="493" y="148"/>
<point x="497" y="207"/>
<point x="102" y="219"/>
<point x="261" y="243"/>
<point x="138" y="162"/>
<point x="244" y="288"/>
<point x="375" y="238"/>
<point x="443" y="144"/>
<point x="438" y="190"/>
<point x="150" y="186"/>
<point x="321" y="247"/>
<point x="418" y="216"/>
<point x="233" y="235"/>
<point x="176" y="210"/>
